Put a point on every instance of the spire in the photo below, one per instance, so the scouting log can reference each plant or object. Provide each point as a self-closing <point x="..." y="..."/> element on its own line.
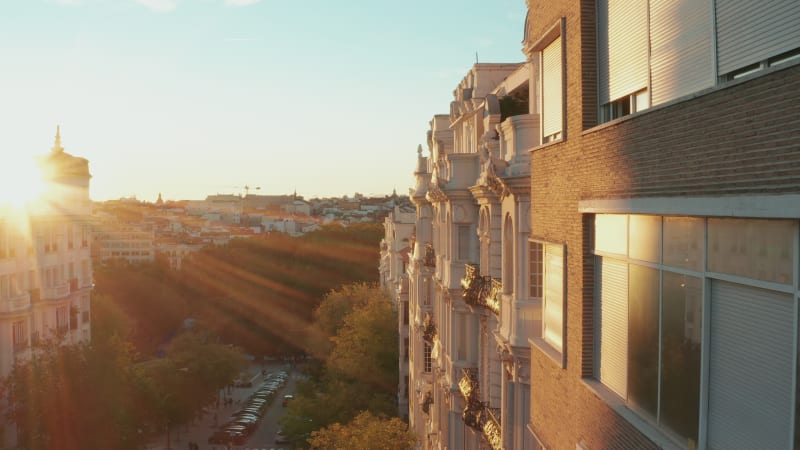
<point x="57" y="145"/>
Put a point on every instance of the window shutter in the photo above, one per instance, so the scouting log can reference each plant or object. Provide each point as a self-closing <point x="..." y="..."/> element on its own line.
<point x="622" y="48"/>
<point x="750" y="370"/>
<point x="612" y="321"/>
<point x="552" y="89"/>
<point x="554" y="296"/>
<point x="680" y="48"/>
<point x="749" y="32"/>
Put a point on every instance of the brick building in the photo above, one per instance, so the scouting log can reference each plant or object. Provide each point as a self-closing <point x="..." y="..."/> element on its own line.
<point x="664" y="224"/>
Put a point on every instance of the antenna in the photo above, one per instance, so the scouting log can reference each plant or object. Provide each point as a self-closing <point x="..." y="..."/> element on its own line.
<point x="476" y="57"/>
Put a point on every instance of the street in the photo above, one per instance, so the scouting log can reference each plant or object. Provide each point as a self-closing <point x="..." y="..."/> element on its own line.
<point x="263" y="438"/>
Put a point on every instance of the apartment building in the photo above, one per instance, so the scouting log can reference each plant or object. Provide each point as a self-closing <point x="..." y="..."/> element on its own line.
<point x="469" y="358"/>
<point x="395" y="255"/>
<point x="133" y="243"/>
<point x="45" y="265"/>
<point x="607" y="252"/>
<point x="664" y="225"/>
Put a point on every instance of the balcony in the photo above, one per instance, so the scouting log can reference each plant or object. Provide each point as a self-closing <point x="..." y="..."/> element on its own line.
<point x="495" y="296"/>
<point x="60" y="290"/>
<point x="427" y="401"/>
<point x="491" y="428"/>
<point x="18" y="302"/>
<point x="429" y="260"/>
<point x="468" y="384"/>
<point x="428" y="329"/>
<point x="473" y="415"/>
<point x="481" y="291"/>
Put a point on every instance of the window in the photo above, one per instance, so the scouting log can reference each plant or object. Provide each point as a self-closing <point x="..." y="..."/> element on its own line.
<point x="651" y="287"/>
<point x="552" y="91"/>
<point x="62" y="319"/>
<point x="464" y="242"/>
<point x="427" y="357"/>
<point x="547" y="280"/>
<point x="623" y="58"/>
<point x="19" y="335"/>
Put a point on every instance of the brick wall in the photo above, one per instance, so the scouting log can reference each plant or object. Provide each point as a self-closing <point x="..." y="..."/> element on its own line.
<point x="740" y="139"/>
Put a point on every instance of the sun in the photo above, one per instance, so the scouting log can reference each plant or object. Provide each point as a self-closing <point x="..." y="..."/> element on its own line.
<point x="21" y="183"/>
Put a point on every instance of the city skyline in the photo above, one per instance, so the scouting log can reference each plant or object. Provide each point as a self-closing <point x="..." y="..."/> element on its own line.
<point x="191" y="98"/>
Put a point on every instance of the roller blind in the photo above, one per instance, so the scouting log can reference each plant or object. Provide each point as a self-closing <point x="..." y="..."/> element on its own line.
<point x="554" y="296"/>
<point x="680" y="48"/>
<point x="613" y="324"/>
<point x="750" y="369"/>
<point x="622" y="48"/>
<point x="750" y="31"/>
<point x="552" y="89"/>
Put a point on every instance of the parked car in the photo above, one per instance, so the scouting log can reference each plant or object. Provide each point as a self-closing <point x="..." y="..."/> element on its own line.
<point x="287" y="398"/>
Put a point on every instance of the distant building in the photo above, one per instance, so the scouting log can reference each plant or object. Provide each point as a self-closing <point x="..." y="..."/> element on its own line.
<point x="114" y="240"/>
<point x="395" y="253"/>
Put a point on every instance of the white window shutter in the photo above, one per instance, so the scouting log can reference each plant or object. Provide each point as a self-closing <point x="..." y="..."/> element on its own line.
<point x="552" y="89"/>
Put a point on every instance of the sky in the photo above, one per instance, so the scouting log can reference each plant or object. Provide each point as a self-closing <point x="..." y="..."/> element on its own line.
<point x="195" y="97"/>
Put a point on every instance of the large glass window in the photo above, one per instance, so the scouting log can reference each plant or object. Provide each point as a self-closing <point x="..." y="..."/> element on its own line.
<point x="651" y="282"/>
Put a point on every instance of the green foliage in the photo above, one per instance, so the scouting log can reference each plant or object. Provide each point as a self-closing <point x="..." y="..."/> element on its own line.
<point x="76" y="397"/>
<point x="365" y="432"/>
<point x="258" y="294"/>
<point x="95" y="396"/>
<point x="360" y="370"/>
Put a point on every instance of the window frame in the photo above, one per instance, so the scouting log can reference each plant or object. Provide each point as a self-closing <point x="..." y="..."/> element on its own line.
<point x="541" y="341"/>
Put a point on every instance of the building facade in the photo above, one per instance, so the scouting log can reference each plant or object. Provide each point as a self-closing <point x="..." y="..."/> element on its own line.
<point x="395" y="255"/>
<point x="665" y="224"/>
<point x="45" y="262"/>
<point x="607" y="248"/>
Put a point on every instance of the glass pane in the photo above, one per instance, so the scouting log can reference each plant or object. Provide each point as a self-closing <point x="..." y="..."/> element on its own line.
<point x="643" y="339"/>
<point x="645" y="238"/>
<point x="753" y="248"/>
<point x="611" y="233"/>
<point x="683" y="242"/>
<point x="681" y="326"/>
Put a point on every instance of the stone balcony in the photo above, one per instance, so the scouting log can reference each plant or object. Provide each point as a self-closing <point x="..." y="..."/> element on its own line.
<point x="480" y="291"/>
<point x="492" y="430"/>
<point x="429" y="331"/>
<point x="15" y="303"/>
<point x="58" y="291"/>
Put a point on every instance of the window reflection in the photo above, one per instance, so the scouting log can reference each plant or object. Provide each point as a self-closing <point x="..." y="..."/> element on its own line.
<point x="680" y="354"/>
<point x="643" y="338"/>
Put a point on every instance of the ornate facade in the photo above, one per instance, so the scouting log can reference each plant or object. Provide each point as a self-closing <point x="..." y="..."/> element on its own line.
<point x="45" y="262"/>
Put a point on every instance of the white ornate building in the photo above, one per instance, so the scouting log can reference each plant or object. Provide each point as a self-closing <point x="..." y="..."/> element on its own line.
<point x="45" y="264"/>
<point x="395" y="255"/>
<point x="469" y="297"/>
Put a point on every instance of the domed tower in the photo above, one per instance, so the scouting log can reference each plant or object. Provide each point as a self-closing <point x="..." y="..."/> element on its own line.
<point x="66" y="177"/>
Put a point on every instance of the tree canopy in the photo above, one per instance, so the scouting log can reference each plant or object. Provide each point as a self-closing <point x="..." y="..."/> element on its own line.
<point x="365" y="432"/>
<point x="359" y="373"/>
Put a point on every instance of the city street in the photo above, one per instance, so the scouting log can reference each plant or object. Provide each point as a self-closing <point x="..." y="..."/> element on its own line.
<point x="263" y="438"/>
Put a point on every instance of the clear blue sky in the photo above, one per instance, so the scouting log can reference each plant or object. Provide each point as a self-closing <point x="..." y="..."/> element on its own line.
<point x="195" y="97"/>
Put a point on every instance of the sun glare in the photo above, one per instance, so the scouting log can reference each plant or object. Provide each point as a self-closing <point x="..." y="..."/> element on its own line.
<point x="22" y="181"/>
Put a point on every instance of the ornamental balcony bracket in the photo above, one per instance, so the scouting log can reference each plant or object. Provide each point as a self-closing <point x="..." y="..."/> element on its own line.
<point x="494" y="296"/>
<point x="491" y="428"/>
<point x="427" y="401"/>
<point x="429" y="260"/>
<point x="468" y="384"/>
<point x="428" y="329"/>
<point x="473" y="286"/>
<point x="474" y="415"/>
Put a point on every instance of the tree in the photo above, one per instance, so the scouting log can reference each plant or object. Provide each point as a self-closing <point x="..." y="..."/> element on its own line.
<point x="75" y="397"/>
<point x="366" y="432"/>
<point x="360" y="370"/>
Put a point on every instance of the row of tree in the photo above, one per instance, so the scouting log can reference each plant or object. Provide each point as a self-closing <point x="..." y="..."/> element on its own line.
<point x="349" y="399"/>
<point x="101" y="395"/>
<point x="256" y="293"/>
